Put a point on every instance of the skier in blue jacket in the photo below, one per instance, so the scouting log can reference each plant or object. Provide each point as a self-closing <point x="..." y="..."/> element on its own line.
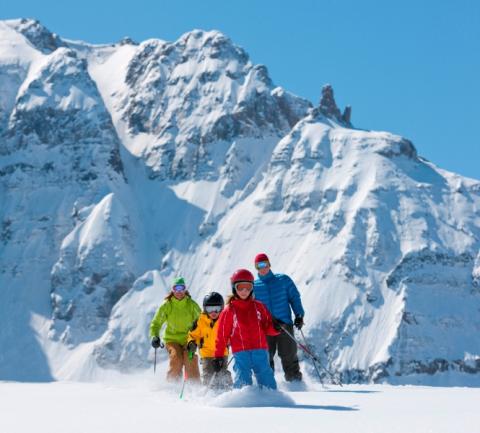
<point x="279" y="293"/>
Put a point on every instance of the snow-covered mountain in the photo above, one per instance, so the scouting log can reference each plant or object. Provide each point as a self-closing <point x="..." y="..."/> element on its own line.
<point x="123" y="165"/>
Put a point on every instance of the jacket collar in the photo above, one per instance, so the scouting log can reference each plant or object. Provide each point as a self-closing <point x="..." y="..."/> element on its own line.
<point x="267" y="277"/>
<point x="241" y="303"/>
<point x="179" y="301"/>
<point x="206" y="319"/>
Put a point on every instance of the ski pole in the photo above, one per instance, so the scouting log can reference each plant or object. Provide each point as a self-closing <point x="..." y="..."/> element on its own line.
<point x="185" y="377"/>
<point x="313" y="358"/>
<point x="210" y="382"/>
<point x="155" y="361"/>
<point x="332" y="376"/>
<point x="155" y="357"/>
<point x="308" y="351"/>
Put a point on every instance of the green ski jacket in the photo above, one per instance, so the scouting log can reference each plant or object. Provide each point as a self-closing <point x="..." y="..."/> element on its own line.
<point x="179" y="317"/>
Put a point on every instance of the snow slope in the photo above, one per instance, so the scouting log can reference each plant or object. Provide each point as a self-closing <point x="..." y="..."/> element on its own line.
<point x="96" y="408"/>
<point x="126" y="164"/>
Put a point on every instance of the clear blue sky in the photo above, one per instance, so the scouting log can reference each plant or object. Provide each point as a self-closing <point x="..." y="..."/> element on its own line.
<point x="409" y="67"/>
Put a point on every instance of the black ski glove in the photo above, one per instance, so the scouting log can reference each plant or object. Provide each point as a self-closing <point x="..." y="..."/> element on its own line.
<point x="298" y="323"/>
<point x="191" y="347"/>
<point x="217" y="364"/>
<point x="156" y="343"/>
<point x="277" y="324"/>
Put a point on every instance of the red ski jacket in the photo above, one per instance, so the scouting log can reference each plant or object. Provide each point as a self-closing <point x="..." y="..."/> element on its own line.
<point x="244" y="325"/>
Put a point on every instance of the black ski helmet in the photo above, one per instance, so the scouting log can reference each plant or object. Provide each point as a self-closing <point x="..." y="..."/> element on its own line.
<point x="213" y="298"/>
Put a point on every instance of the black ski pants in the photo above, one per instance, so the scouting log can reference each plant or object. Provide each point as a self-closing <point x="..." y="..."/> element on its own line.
<point x="220" y="380"/>
<point x="287" y="351"/>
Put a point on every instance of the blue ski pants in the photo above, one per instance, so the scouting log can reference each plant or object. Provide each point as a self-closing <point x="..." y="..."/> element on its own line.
<point x="256" y="361"/>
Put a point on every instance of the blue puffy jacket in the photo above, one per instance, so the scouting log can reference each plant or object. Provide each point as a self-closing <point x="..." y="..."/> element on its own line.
<point x="279" y="293"/>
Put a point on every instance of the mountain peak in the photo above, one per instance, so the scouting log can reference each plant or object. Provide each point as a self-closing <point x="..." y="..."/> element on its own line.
<point x="197" y="91"/>
<point x="37" y="34"/>
<point x="127" y="41"/>
<point x="213" y="43"/>
<point x="328" y="107"/>
<point x="200" y="37"/>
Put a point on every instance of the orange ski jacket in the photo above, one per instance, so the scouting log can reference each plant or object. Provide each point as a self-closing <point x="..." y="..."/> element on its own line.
<point x="204" y="333"/>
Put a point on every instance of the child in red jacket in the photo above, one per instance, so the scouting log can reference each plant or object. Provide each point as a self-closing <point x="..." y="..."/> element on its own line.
<point x="244" y="324"/>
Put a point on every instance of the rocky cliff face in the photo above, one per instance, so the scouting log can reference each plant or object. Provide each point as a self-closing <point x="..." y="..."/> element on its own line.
<point x="191" y="95"/>
<point x="124" y="165"/>
<point x="60" y="155"/>
<point x="37" y="35"/>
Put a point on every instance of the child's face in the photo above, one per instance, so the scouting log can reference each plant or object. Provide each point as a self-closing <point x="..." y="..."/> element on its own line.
<point x="179" y="291"/>
<point x="213" y="315"/>
<point x="179" y="295"/>
<point x="243" y="289"/>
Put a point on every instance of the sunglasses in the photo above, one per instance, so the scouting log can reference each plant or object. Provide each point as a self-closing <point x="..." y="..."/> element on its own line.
<point x="213" y="308"/>
<point x="243" y="286"/>
<point x="178" y="288"/>
<point x="262" y="265"/>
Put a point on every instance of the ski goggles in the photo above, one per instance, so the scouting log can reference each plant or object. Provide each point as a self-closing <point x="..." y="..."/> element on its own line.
<point x="262" y="265"/>
<point x="178" y="288"/>
<point x="243" y="286"/>
<point x="213" y="308"/>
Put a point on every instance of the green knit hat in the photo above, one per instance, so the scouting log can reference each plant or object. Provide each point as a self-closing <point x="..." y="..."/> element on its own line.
<point x="179" y="281"/>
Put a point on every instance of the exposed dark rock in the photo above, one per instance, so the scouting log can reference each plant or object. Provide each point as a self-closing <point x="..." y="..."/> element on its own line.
<point x="375" y="373"/>
<point x="115" y="161"/>
<point x="347" y="114"/>
<point x="39" y="36"/>
<point x="328" y="106"/>
<point x="21" y="166"/>
<point x="414" y="261"/>
<point x="404" y="147"/>
<point x="438" y="365"/>
<point x="409" y="318"/>
<point x="6" y="233"/>
<point x="127" y="41"/>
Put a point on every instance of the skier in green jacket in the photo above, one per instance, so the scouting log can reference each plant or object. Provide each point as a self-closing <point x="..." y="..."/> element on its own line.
<point x="178" y="311"/>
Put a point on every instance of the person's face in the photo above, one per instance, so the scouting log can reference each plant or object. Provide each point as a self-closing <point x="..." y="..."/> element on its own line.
<point x="213" y="311"/>
<point x="243" y="289"/>
<point x="213" y="316"/>
<point x="263" y="268"/>
<point x="179" y="291"/>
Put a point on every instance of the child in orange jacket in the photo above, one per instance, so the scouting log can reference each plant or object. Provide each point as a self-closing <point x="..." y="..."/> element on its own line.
<point x="203" y="335"/>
